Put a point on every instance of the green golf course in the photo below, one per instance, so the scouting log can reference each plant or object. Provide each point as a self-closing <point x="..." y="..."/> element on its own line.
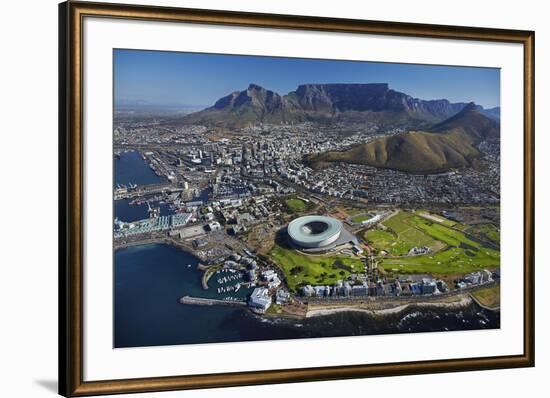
<point x="300" y="269"/>
<point x="453" y="251"/>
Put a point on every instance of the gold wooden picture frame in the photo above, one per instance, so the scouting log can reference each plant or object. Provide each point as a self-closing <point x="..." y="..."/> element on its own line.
<point x="71" y="238"/>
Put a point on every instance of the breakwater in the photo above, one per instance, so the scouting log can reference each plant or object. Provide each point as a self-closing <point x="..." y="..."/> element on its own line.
<point x="209" y="301"/>
<point x="151" y="279"/>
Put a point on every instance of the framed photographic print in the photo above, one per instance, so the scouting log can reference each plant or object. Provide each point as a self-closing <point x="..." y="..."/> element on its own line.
<point x="251" y="198"/>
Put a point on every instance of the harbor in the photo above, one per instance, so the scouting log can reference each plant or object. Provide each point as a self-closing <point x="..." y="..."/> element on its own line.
<point x="156" y="276"/>
<point x="184" y="242"/>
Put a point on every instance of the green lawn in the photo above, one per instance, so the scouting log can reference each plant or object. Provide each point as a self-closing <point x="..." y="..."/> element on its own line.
<point x="296" y="205"/>
<point x="447" y="262"/>
<point x="315" y="270"/>
<point x="401" y="236"/>
<point x="360" y="218"/>
<point x="398" y="223"/>
<point x="442" y="233"/>
<point x="406" y="230"/>
<point x="383" y="240"/>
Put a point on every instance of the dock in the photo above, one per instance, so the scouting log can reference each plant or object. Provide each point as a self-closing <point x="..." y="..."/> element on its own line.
<point x="209" y="301"/>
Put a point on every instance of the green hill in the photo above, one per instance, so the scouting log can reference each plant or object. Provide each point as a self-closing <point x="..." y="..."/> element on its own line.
<point x="450" y="144"/>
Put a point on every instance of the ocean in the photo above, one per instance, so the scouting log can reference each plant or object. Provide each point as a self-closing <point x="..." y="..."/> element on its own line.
<point x="150" y="279"/>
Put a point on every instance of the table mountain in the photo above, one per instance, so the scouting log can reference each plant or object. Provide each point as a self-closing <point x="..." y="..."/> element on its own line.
<point x="324" y="103"/>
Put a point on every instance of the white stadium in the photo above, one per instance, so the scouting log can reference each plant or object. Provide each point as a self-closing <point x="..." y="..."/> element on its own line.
<point x="317" y="232"/>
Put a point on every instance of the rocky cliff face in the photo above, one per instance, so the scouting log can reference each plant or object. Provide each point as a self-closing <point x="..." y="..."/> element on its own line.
<point x="343" y="97"/>
<point x="255" y="97"/>
<point x="324" y="102"/>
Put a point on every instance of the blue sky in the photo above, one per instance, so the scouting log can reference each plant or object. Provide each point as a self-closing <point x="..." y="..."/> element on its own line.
<point x="177" y="79"/>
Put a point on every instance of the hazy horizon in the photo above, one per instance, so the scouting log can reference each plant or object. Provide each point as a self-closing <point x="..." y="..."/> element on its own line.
<point x="180" y="79"/>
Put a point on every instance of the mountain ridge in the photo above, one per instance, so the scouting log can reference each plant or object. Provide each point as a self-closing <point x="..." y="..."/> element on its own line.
<point x="331" y="102"/>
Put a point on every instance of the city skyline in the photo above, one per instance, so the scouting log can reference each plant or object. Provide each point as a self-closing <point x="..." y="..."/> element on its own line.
<point x="338" y="210"/>
<point x="160" y="78"/>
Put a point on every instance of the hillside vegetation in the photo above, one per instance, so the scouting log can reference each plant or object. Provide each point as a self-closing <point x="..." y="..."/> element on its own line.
<point x="448" y="145"/>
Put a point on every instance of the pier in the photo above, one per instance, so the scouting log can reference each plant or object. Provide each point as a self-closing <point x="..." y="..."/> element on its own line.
<point x="209" y="301"/>
<point x="145" y="190"/>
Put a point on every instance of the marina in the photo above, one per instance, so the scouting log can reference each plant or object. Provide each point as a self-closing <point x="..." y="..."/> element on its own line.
<point x="151" y="279"/>
<point x="291" y="216"/>
<point x="229" y="284"/>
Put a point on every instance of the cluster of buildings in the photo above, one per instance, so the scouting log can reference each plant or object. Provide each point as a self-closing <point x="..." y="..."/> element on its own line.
<point x="417" y="251"/>
<point x="266" y="282"/>
<point x="157" y="224"/>
<point x="270" y="286"/>
<point x="260" y="300"/>
<point x="253" y="163"/>
<point x="475" y="278"/>
<point x="234" y="163"/>
<point x="245" y="174"/>
<point x="372" y="284"/>
<point x="385" y="186"/>
<point x="148" y="132"/>
<point x="234" y="214"/>
<point x="366" y="288"/>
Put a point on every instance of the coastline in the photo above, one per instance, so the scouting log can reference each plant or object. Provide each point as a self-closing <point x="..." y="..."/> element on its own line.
<point x="157" y="241"/>
<point x="317" y="310"/>
<point x="463" y="302"/>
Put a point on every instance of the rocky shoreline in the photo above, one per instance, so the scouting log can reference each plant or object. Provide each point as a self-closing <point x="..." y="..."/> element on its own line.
<point x="464" y="301"/>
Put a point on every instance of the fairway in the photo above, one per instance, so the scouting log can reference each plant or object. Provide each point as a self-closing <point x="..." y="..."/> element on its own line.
<point x="300" y="269"/>
<point x="398" y="223"/>
<point x="444" y="234"/>
<point x="401" y="236"/>
<point x="460" y="254"/>
<point x="452" y="261"/>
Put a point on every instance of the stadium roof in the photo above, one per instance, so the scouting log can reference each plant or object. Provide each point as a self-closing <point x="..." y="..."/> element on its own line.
<point x="312" y="229"/>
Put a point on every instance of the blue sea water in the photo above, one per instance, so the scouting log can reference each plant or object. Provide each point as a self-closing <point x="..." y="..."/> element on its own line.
<point x="150" y="279"/>
<point x="130" y="168"/>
